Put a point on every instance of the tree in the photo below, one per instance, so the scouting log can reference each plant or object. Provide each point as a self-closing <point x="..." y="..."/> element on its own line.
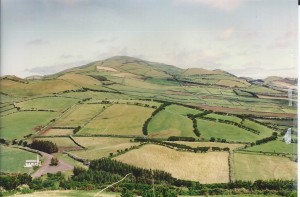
<point x="126" y="193"/>
<point x="54" y="161"/>
<point x="45" y="146"/>
<point x="212" y="139"/>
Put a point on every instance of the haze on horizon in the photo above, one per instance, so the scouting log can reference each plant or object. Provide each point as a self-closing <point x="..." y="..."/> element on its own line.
<point x="252" y="38"/>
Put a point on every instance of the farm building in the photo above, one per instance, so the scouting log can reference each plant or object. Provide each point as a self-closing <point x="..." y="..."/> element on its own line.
<point x="31" y="163"/>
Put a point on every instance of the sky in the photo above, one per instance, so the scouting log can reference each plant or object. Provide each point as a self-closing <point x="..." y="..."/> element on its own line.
<point x="251" y="38"/>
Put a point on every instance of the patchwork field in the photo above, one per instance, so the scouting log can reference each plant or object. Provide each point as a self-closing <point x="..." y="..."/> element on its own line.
<point x="17" y="125"/>
<point x="79" y="115"/>
<point x="172" y="122"/>
<point x="210" y="144"/>
<point x="203" y="167"/>
<point x="98" y="147"/>
<point x="275" y="147"/>
<point x="47" y="103"/>
<point x="119" y="119"/>
<point x="13" y="160"/>
<point x="253" y="167"/>
<point x="214" y="129"/>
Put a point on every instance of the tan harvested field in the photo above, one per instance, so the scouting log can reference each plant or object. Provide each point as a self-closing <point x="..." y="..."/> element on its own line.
<point x="210" y="144"/>
<point x="80" y="115"/>
<point x="119" y="119"/>
<point x="57" y="132"/>
<point x="253" y="167"/>
<point x="209" y="167"/>
<point x="80" y="79"/>
<point x="63" y="143"/>
<point x="99" y="68"/>
<point x="98" y="147"/>
<point x="232" y="83"/>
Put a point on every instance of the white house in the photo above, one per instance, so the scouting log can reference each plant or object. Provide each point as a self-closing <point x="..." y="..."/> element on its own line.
<point x="31" y="163"/>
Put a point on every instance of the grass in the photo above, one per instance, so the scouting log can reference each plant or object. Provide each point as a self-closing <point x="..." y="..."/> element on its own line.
<point x="119" y="119"/>
<point x="264" y="131"/>
<point x="253" y="167"/>
<point x="276" y="147"/>
<point x="210" y="144"/>
<point x="224" y="117"/>
<point x="60" y="141"/>
<point x="47" y="103"/>
<point x="98" y="147"/>
<point x="13" y="160"/>
<point x="214" y="129"/>
<point x="17" y="125"/>
<point x="80" y="115"/>
<point x="68" y="193"/>
<point x="167" y="123"/>
<point x="203" y="167"/>
<point x="36" y="87"/>
<point x="55" y="132"/>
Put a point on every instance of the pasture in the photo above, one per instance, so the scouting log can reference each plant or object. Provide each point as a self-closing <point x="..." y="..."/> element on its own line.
<point x="264" y="131"/>
<point x="229" y="132"/>
<point x="57" y="132"/>
<point x="17" y="125"/>
<point x="47" y="103"/>
<point x="118" y="119"/>
<point x="224" y="117"/>
<point x="68" y="193"/>
<point x="98" y="147"/>
<point x="62" y="142"/>
<point x="275" y="147"/>
<point x="172" y="122"/>
<point x="253" y="167"/>
<point x="210" y="144"/>
<point x="209" y="167"/>
<point x="79" y="115"/>
<point x="13" y="160"/>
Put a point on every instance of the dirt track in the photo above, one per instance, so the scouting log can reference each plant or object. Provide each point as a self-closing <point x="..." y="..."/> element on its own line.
<point x="46" y="168"/>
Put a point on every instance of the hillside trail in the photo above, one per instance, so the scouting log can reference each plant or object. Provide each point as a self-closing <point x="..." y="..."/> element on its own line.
<point x="46" y="168"/>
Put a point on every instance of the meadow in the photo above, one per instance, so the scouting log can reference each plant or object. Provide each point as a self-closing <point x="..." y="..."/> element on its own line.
<point x="209" y="167"/>
<point x="17" y="125"/>
<point x="47" y="103"/>
<point x="101" y="146"/>
<point x="79" y="115"/>
<point x="275" y="147"/>
<point x="13" y="160"/>
<point x="215" y="129"/>
<point x="118" y="119"/>
<point x="253" y="167"/>
<point x="224" y="117"/>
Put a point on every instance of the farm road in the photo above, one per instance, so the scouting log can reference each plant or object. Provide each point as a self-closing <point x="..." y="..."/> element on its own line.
<point x="46" y="168"/>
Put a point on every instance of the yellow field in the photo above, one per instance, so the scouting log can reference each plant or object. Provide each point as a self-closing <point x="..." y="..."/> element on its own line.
<point x="81" y="80"/>
<point x="232" y="83"/>
<point x="52" y="132"/>
<point x="209" y="167"/>
<point x="119" y="119"/>
<point x="34" y="88"/>
<point x="60" y="141"/>
<point x="210" y="144"/>
<point x="253" y="167"/>
<point x="80" y="115"/>
<point x="99" y="147"/>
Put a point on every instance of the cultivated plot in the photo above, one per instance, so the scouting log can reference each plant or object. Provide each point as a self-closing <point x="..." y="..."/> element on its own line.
<point x="17" y="125"/>
<point x="254" y="167"/>
<point x="13" y="160"/>
<point x="119" y="119"/>
<point x="209" y="167"/>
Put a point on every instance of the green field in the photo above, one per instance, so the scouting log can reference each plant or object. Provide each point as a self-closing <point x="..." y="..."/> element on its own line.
<point x="13" y="160"/>
<point x="275" y="147"/>
<point x="264" y="131"/>
<point x="79" y="115"/>
<point x="224" y="117"/>
<point x="253" y="167"/>
<point x="17" y="125"/>
<point x="61" y="142"/>
<point x="98" y="147"/>
<point x="214" y="129"/>
<point x="47" y="103"/>
<point x="119" y="119"/>
<point x="172" y="122"/>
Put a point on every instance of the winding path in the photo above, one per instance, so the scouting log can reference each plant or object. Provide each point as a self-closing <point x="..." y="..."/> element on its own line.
<point x="46" y="168"/>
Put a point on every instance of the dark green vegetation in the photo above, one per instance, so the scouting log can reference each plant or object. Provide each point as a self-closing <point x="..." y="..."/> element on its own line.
<point x="107" y="108"/>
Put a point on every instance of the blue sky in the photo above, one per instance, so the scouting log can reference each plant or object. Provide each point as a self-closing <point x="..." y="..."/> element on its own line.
<point x="251" y="38"/>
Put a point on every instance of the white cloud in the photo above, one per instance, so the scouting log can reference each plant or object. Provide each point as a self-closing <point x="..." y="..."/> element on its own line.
<point x="227" y="33"/>
<point x="226" y="5"/>
<point x="38" y="42"/>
